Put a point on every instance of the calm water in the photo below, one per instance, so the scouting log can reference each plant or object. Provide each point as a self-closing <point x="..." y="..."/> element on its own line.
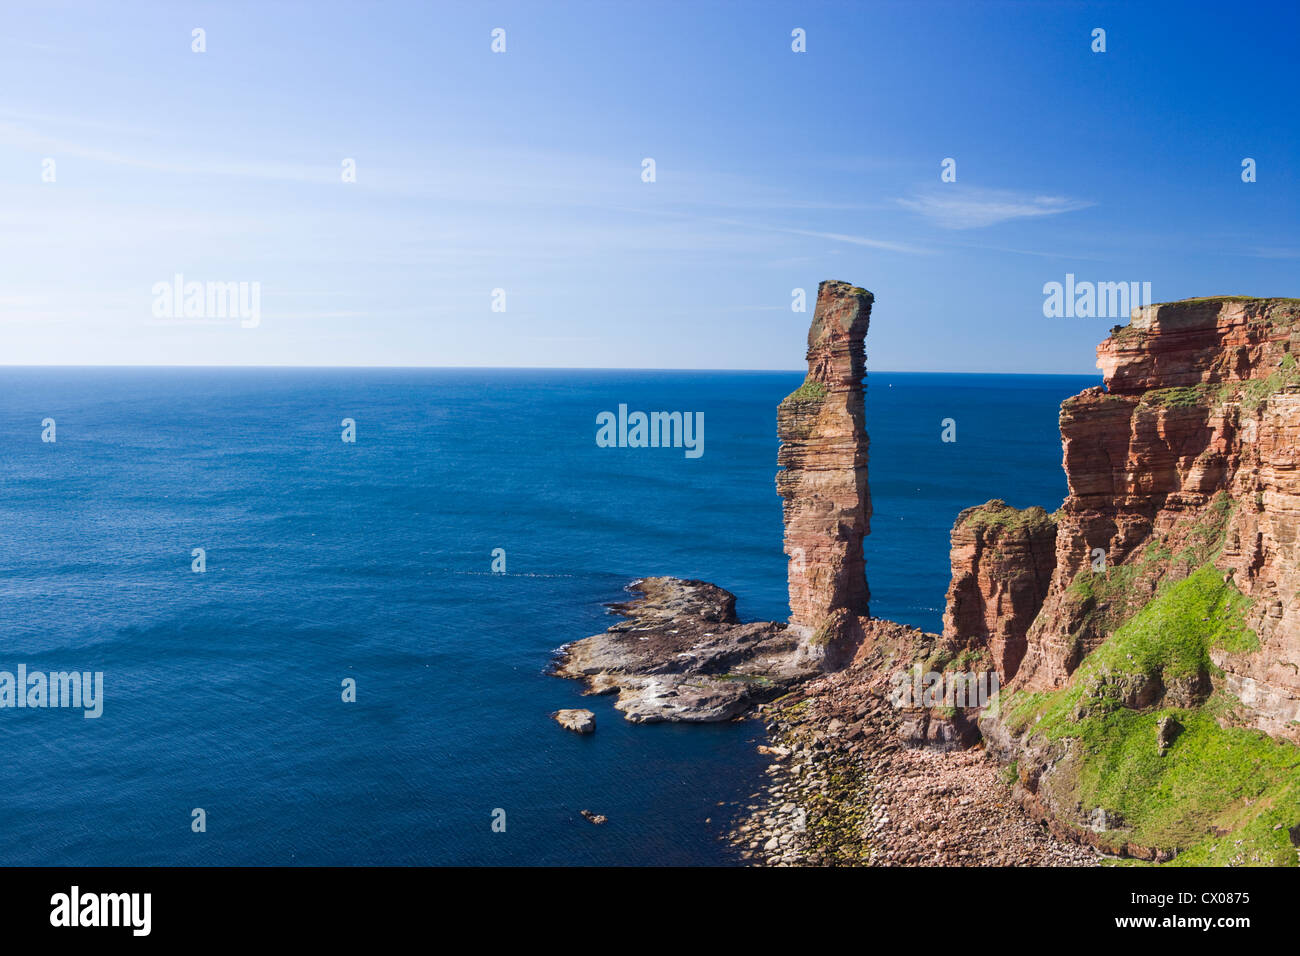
<point x="372" y="561"/>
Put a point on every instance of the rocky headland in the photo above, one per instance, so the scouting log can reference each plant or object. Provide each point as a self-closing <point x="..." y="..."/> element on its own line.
<point x="1145" y="636"/>
<point x="681" y="654"/>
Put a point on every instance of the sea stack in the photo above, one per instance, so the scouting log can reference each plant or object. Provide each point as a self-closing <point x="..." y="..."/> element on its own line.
<point x="823" y="484"/>
<point x="1002" y="564"/>
<point x="680" y="653"/>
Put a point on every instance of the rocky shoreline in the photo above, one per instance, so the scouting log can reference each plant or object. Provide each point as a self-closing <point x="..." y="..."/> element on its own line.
<point x="854" y="779"/>
<point x="847" y="788"/>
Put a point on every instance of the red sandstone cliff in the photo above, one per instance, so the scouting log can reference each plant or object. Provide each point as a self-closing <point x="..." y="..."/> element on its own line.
<point x="1188" y="455"/>
<point x="1183" y="519"/>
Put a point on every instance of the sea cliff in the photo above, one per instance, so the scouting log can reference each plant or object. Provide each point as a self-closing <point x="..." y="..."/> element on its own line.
<point x="1155" y="711"/>
<point x="1145" y="634"/>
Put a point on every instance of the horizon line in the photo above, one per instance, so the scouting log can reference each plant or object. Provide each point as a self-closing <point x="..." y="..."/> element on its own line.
<point x="525" y="368"/>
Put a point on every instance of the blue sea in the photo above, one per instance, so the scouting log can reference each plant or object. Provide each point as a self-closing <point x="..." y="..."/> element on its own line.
<point x="373" y="561"/>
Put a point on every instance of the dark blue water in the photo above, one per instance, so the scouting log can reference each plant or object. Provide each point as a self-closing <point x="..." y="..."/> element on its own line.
<point x="372" y="561"/>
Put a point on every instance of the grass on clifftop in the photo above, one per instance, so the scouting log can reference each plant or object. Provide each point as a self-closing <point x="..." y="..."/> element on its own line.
<point x="807" y="392"/>
<point x="998" y="514"/>
<point x="1232" y="298"/>
<point x="1220" y="794"/>
<point x="1284" y="317"/>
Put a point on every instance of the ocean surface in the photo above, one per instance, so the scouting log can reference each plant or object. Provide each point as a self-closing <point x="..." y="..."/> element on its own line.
<point x="373" y="561"/>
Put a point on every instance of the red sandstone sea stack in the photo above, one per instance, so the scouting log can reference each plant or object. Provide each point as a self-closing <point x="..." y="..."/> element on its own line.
<point x="826" y="500"/>
<point x="681" y="654"/>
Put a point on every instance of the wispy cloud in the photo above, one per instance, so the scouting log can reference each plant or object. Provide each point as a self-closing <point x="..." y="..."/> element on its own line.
<point x="885" y="244"/>
<point x="956" y="207"/>
<point x="21" y="137"/>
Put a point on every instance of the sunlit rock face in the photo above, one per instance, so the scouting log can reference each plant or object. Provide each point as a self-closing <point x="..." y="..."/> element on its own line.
<point x="1189" y="452"/>
<point x="823" y="484"/>
<point x="1002" y="563"/>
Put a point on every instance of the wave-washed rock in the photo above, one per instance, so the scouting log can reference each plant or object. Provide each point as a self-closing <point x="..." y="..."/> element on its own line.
<point x="681" y="654"/>
<point x="578" y="720"/>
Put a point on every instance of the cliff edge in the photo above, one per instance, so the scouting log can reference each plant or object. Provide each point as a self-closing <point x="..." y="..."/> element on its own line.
<point x="1156" y="703"/>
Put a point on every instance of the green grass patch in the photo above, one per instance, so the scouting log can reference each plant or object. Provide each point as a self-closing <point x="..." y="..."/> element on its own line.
<point x="807" y="392"/>
<point x="1000" y="515"/>
<point x="1190" y="396"/>
<point x="1257" y="391"/>
<point x="1214" y="786"/>
<point x="1219" y="793"/>
<point x="1169" y="639"/>
<point x="1172" y="635"/>
<point x="758" y="679"/>
<point x="1108" y="598"/>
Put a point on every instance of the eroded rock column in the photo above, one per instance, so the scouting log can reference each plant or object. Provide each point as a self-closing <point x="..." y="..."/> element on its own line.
<point x="827" y="502"/>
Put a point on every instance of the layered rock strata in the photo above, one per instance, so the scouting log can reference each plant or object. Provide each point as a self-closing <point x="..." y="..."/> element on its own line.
<point x="1148" y="629"/>
<point x="681" y="654"/>
<point x="826" y="500"/>
<point x="1169" y="635"/>
<point x="1002" y="564"/>
<point x="864" y="772"/>
<point x="1188" y="454"/>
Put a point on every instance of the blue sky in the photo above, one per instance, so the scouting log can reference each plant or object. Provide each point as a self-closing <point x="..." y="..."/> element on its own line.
<point x="522" y="171"/>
